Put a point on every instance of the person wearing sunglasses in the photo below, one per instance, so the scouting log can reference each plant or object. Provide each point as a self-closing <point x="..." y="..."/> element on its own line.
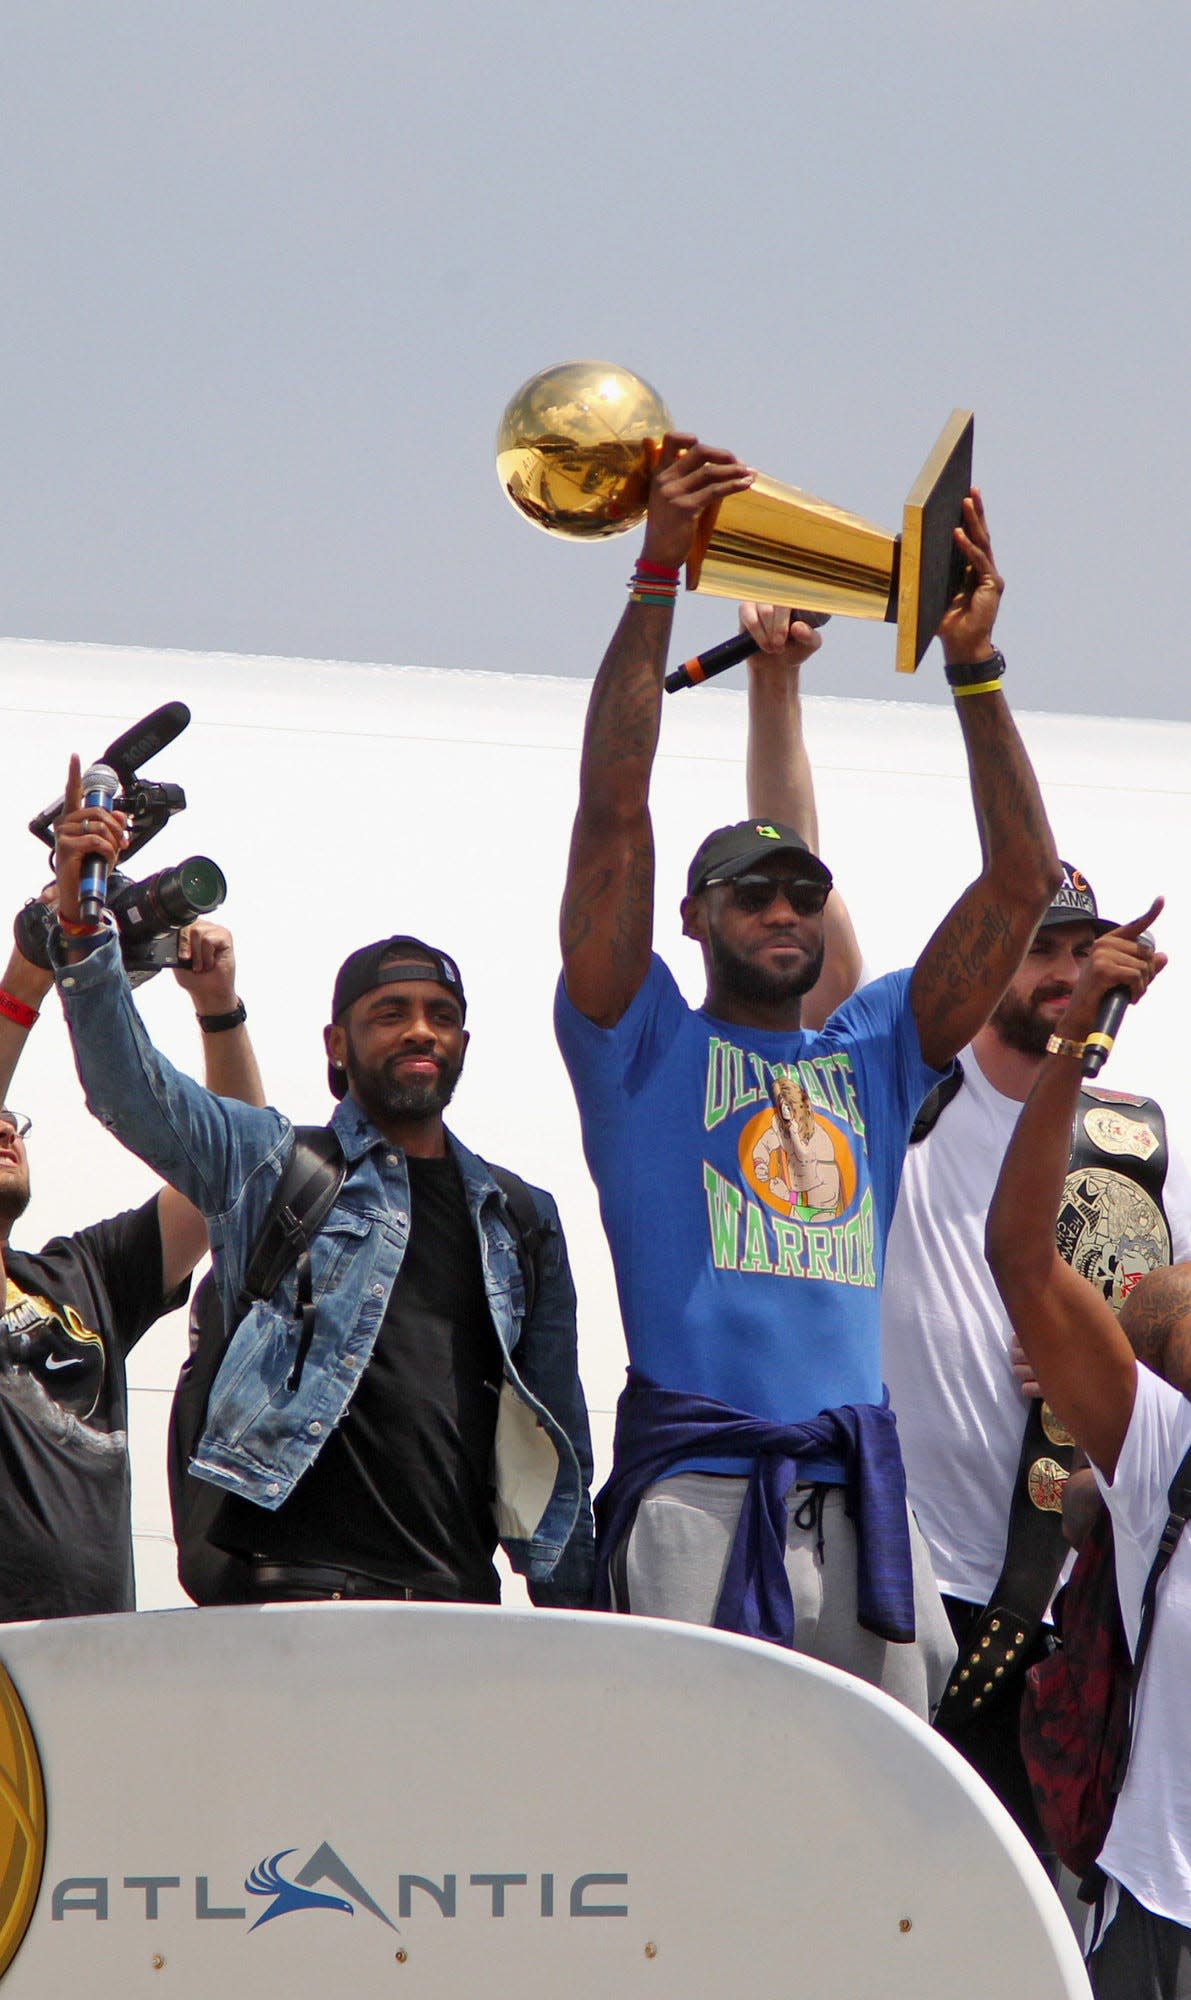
<point x="757" y="1482"/>
<point x="71" y="1312"/>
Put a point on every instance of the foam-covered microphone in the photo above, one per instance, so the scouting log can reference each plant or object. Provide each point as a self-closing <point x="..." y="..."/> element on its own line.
<point x="100" y="787"/>
<point x="1111" y="1013"/>
<point x="146" y="737"/>
<point x="717" y="659"/>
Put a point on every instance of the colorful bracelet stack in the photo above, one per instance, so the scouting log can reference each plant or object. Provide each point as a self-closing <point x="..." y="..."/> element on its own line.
<point x="16" y="1010"/>
<point x="653" y="583"/>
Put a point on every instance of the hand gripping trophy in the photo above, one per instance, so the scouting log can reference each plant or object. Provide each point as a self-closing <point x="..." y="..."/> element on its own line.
<point x="574" y="453"/>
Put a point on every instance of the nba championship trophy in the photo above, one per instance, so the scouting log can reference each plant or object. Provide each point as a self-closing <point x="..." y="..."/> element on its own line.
<point x="574" y="453"/>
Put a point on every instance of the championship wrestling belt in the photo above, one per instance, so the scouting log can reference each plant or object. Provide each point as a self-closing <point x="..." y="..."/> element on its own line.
<point x="1112" y="1229"/>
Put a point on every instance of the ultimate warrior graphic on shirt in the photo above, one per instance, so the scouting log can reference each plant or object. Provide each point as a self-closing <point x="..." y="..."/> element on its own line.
<point x="797" y="1159"/>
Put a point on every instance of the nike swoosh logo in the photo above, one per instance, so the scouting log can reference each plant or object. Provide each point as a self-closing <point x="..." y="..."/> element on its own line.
<point x="74" y="1361"/>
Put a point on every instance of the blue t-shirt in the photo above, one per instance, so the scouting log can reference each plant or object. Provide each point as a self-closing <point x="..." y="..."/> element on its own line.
<point x="748" y="1235"/>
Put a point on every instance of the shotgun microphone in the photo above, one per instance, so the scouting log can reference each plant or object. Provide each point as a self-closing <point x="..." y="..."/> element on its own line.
<point x="146" y="737"/>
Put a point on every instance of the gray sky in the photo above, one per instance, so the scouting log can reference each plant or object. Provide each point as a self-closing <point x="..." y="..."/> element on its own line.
<point x="273" y="267"/>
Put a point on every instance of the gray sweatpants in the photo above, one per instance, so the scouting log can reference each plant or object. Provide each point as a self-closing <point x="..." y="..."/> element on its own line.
<point x="677" y="1551"/>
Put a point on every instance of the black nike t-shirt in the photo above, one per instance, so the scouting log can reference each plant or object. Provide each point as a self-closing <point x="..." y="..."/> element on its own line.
<point x="402" y="1489"/>
<point x="71" y="1314"/>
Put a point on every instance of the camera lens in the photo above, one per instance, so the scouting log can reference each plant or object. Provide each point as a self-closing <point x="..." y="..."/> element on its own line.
<point x="191" y="888"/>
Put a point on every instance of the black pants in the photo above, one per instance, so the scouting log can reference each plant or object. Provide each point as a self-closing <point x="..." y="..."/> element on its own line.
<point x="990" y="1742"/>
<point x="1142" y="1957"/>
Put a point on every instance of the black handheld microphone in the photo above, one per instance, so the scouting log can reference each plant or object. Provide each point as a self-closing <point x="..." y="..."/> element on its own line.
<point x="100" y="787"/>
<point x="1098" y="1047"/>
<point x="717" y="659"/>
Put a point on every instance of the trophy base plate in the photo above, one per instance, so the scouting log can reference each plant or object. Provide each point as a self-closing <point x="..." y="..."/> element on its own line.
<point x="931" y="567"/>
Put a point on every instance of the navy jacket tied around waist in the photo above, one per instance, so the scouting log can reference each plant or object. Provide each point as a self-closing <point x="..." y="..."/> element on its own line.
<point x="656" y="1429"/>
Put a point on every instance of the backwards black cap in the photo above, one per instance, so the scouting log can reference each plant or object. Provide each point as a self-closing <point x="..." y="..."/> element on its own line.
<point x="393" y="962"/>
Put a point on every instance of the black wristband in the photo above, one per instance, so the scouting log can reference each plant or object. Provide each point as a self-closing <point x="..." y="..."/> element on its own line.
<point x="971" y="674"/>
<point x="218" y="1024"/>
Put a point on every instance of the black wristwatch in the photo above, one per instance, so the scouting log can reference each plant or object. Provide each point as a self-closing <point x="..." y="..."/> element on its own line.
<point x="974" y="674"/>
<point x="218" y="1024"/>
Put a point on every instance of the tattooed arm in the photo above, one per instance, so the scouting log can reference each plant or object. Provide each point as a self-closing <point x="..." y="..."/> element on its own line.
<point x="977" y="948"/>
<point x="1079" y="1352"/>
<point x="607" y="909"/>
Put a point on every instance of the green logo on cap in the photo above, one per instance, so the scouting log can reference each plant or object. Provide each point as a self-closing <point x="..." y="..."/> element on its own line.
<point x="767" y="832"/>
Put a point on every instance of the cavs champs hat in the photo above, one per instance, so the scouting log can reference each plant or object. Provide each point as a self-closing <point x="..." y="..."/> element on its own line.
<point x="733" y="850"/>
<point x="1075" y="903"/>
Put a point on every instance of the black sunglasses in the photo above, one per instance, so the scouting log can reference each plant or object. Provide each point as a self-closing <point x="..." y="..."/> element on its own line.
<point x="753" y="893"/>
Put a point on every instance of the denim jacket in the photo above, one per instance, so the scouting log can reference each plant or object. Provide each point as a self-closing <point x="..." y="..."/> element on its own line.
<point x="227" y="1157"/>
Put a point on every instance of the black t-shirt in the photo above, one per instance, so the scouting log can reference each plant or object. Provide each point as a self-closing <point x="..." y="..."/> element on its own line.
<point x="72" y="1312"/>
<point x="402" y="1489"/>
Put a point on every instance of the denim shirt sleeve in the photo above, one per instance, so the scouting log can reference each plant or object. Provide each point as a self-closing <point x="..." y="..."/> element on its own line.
<point x="547" y="1357"/>
<point x="205" y="1146"/>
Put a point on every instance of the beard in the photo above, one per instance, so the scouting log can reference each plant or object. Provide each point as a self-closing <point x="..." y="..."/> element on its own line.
<point x="745" y="980"/>
<point x="14" y="1197"/>
<point x="1022" y="1025"/>
<point x="383" y="1096"/>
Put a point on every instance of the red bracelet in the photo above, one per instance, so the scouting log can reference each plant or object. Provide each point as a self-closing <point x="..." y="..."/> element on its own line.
<point x="70" y="929"/>
<point x="658" y="569"/>
<point x="16" y="1010"/>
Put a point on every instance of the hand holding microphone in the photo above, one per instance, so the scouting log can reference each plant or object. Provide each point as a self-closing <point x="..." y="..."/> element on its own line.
<point x="768" y="629"/>
<point x="88" y="839"/>
<point x="100" y="789"/>
<point x="1118" y="970"/>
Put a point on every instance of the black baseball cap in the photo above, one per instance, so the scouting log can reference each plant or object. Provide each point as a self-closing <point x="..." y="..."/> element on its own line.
<point x="1075" y="903"/>
<point x="732" y="850"/>
<point x="392" y="962"/>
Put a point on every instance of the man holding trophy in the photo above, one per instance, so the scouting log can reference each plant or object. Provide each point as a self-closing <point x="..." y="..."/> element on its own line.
<point x="757" y="1482"/>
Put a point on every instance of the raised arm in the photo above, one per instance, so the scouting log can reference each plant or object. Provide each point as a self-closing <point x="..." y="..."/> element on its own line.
<point x="781" y="785"/>
<point x="205" y="1146"/>
<point x="25" y="987"/>
<point x="1080" y="1356"/>
<point x="966" y="966"/>
<point x="208" y="974"/>
<point x="607" y="909"/>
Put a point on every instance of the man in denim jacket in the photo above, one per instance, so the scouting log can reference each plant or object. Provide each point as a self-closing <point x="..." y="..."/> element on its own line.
<point x="364" y="1468"/>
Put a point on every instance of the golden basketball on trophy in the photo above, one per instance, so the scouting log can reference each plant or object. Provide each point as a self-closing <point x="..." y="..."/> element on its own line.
<point x="574" y="453"/>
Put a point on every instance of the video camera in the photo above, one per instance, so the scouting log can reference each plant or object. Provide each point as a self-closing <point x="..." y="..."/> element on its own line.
<point x="149" y="914"/>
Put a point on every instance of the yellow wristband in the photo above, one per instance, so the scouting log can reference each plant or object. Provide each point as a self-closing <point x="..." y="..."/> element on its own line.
<point x="1059" y="1045"/>
<point x="977" y="687"/>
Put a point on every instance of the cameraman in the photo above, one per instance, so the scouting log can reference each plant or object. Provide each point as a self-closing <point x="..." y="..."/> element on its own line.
<point x="71" y="1313"/>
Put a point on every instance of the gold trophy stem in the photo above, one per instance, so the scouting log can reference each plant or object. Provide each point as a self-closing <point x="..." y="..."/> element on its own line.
<point x="780" y="545"/>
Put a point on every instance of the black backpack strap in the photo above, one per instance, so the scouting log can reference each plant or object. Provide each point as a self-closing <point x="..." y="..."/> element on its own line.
<point x="310" y="1181"/>
<point x="1179" y="1502"/>
<point x="529" y="1231"/>
<point x="935" y="1103"/>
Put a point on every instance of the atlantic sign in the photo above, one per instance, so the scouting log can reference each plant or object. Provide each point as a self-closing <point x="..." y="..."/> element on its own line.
<point x="325" y="1882"/>
<point x="366" y="1799"/>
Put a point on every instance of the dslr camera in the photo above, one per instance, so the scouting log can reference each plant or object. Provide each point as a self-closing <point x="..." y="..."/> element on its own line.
<point x="150" y="913"/>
